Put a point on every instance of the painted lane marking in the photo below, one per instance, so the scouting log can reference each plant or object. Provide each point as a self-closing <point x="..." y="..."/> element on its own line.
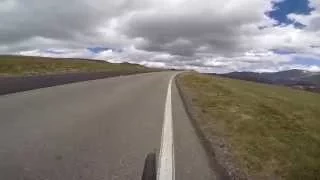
<point x="166" y="169"/>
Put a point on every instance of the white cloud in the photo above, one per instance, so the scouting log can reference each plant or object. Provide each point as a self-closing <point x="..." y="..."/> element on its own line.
<point x="220" y="36"/>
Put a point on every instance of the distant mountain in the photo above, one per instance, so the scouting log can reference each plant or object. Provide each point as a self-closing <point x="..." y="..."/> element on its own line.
<point x="294" y="78"/>
<point x="314" y="79"/>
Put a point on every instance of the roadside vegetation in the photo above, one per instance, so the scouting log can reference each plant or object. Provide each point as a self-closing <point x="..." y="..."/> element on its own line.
<point x="273" y="131"/>
<point x="27" y="66"/>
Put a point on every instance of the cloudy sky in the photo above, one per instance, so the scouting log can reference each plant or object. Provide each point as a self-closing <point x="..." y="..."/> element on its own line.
<point x="205" y="35"/>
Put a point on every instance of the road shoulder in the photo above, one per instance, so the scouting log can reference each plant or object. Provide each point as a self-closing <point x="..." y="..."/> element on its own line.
<point x="216" y="147"/>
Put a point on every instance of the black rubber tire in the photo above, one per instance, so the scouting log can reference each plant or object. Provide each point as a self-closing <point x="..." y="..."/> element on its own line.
<point x="150" y="167"/>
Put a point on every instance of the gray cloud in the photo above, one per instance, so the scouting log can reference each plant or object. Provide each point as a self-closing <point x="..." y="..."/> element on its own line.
<point x="197" y="34"/>
<point x="184" y="34"/>
<point x="72" y="20"/>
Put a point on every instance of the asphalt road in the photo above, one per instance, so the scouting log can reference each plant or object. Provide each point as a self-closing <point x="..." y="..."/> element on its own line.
<point x="95" y="130"/>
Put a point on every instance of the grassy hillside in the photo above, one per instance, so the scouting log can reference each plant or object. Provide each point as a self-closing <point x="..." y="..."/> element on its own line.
<point x="272" y="131"/>
<point x="315" y="79"/>
<point x="22" y="66"/>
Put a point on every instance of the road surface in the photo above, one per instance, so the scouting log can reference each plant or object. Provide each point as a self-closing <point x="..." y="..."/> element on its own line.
<point x="96" y="130"/>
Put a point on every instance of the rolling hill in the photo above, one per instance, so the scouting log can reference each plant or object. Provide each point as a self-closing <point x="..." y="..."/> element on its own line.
<point x="296" y="78"/>
<point x="33" y="66"/>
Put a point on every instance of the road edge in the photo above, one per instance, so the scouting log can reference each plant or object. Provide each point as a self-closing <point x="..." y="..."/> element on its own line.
<point x="11" y="85"/>
<point x="222" y="169"/>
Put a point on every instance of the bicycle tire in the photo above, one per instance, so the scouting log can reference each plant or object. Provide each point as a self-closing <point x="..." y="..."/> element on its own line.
<point x="150" y="167"/>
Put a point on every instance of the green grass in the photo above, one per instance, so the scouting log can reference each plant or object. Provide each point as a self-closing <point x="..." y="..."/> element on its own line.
<point x="26" y="66"/>
<point x="273" y="131"/>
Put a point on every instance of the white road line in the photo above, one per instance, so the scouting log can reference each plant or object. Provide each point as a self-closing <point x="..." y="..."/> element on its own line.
<point x="166" y="159"/>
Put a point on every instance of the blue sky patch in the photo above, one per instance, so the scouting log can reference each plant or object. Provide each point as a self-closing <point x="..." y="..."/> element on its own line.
<point x="283" y="51"/>
<point x="97" y="49"/>
<point x="306" y="61"/>
<point x="51" y="51"/>
<point x="282" y="9"/>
